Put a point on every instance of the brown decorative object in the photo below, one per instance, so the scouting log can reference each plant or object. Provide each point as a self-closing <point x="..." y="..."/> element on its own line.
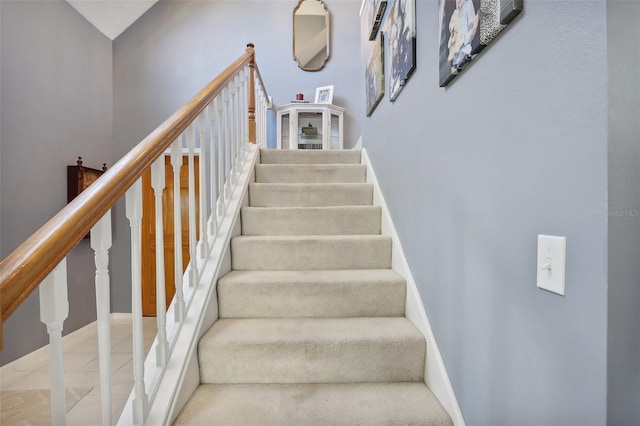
<point x="79" y="178"/>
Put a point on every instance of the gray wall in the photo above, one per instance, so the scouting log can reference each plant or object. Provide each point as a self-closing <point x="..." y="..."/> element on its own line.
<point x="623" y="39"/>
<point x="177" y="47"/>
<point x="516" y="146"/>
<point x="56" y="83"/>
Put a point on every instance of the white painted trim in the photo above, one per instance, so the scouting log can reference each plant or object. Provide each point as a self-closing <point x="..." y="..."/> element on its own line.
<point x="362" y="5"/>
<point x="185" y="151"/>
<point x="181" y="376"/>
<point x="436" y="377"/>
<point x="121" y="316"/>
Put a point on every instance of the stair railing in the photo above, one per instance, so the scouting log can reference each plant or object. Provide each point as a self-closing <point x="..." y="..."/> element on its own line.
<point x="222" y="120"/>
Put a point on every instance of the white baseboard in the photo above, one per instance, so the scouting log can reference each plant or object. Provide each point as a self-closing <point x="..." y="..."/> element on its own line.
<point x="121" y="316"/>
<point x="436" y="377"/>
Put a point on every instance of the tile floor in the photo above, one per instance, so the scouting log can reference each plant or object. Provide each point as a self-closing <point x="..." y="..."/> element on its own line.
<point x="82" y="369"/>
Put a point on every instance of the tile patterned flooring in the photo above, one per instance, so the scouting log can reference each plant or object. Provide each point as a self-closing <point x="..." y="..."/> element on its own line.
<point x="81" y="370"/>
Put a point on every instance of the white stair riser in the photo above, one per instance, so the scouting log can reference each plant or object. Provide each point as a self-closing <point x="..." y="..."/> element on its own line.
<point x="309" y="195"/>
<point x="272" y="156"/>
<point x="310" y="253"/>
<point x="310" y="356"/>
<point x="348" y="220"/>
<point x="315" y="404"/>
<point x="308" y="173"/>
<point x="330" y="300"/>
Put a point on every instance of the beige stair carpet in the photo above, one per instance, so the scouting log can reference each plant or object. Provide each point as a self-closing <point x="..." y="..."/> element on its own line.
<point x="312" y="328"/>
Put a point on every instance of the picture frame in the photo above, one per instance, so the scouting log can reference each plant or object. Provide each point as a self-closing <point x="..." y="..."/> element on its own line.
<point x="374" y="76"/>
<point x="376" y="13"/>
<point x="460" y="43"/>
<point x="324" y="95"/>
<point x="401" y="37"/>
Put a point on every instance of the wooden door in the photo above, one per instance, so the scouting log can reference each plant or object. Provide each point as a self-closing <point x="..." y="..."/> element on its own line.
<point x="149" y="232"/>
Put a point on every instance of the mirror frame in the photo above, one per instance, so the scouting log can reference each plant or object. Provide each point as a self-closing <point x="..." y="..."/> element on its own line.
<point x="328" y="18"/>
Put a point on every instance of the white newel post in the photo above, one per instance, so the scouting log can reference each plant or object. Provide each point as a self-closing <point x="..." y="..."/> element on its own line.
<point x="158" y="184"/>
<point x="54" y="309"/>
<point x="212" y="224"/>
<point x="203" y="242"/>
<point x="193" y="261"/>
<point x="133" y="199"/>
<point x="176" y="163"/>
<point x="221" y="186"/>
<point x="101" y="243"/>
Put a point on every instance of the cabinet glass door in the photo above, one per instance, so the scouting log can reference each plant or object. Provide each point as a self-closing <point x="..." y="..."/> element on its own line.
<point x="285" y="126"/>
<point x="310" y="130"/>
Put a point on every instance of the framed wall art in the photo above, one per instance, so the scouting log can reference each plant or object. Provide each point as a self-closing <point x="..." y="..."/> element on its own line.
<point x="402" y="44"/>
<point x="374" y="76"/>
<point x="324" y="95"/>
<point x="376" y="12"/>
<point x="467" y="27"/>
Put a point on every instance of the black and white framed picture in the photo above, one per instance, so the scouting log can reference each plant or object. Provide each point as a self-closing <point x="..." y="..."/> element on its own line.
<point x="402" y="44"/>
<point x="467" y="27"/>
<point x="375" y="76"/>
<point x="376" y="12"/>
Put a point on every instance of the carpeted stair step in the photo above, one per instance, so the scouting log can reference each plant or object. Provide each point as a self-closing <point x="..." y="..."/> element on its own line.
<point x="312" y="350"/>
<point x="293" y="156"/>
<point x="314" y="404"/>
<point x="310" y="194"/>
<point x="345" y="220"/>
<point x="279" y="253"/>
<point x="331" y="294"/>
<point x="311" y="173"/>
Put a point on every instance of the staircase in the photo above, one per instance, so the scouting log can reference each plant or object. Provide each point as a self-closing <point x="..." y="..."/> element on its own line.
<point x="311" y="327"/>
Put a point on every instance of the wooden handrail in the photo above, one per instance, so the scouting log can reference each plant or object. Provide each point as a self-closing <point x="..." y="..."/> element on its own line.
<point x="22" y="271"/>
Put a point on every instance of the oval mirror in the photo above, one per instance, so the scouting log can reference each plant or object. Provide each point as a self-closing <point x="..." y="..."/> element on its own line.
<point x="311" y="34"/>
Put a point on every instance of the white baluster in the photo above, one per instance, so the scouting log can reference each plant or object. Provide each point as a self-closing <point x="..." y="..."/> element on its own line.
<point x="259" y="108"/>
<point x="245" y="108"/>
<point x="101" y="243"/>
<point x="221" y="184"/>
<point x="227" y="145"/>
<point x="232" y="128"/>
<point x="203" y="243"/>
<point x="264" y="120"/>
<point x="265" y="102"/>
<point x="54" y="309"/>
<point x="193" y="268"/>
<point x="176" y="162"/>
<point x="158" y="184"/>
<point x="213" y="218"/>
<point x="259" y="118"/>
<point x="238" y="125"/>
<point x="133" y="199"/>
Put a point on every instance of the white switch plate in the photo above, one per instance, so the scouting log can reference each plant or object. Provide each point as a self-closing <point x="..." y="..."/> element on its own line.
<point x="552" y="255"/>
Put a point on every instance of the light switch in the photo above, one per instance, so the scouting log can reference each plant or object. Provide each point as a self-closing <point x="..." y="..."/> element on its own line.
<point x="552" y="254"/>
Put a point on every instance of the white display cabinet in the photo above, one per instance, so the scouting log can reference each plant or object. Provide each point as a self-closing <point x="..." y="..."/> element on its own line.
<point x="310" y="126"/>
